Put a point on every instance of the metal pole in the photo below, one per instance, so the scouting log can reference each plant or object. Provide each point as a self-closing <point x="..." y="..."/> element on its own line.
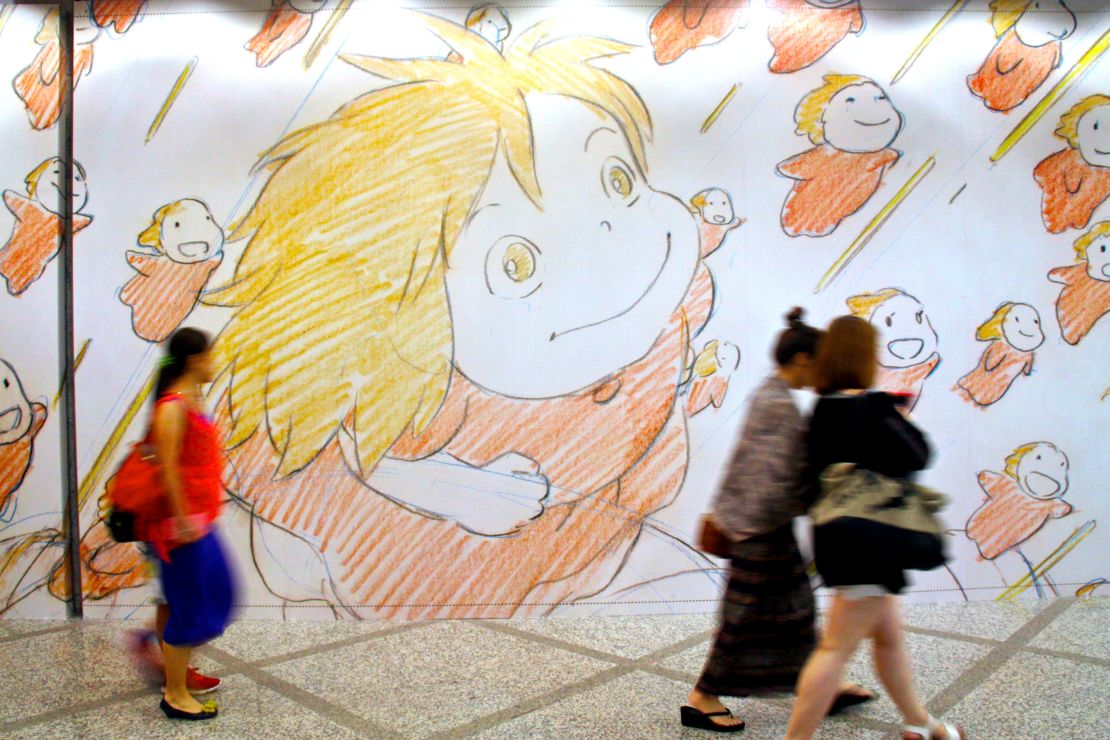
<point x="72" y="522"/>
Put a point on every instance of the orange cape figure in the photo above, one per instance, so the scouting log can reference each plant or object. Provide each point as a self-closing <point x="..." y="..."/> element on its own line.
<point x="34" y="241"/>
<point x="830" y="185"/>
<point x="999" y="366"/>
<point x="804" y="33"/>
<point x="284" y="28"/>
<point x="119" y="14"/>
<point x="1012" y="71"/>
<point x="15" y="458"/>
<point x="907" y="380"/>
<point x="1072" y="189"/>
<point x="39" y="85"/>
<point x="1082" y="302"/>
<point x="164" y="292"/>
<point x="1008" y="517"/>
<point x="682" y="25"/>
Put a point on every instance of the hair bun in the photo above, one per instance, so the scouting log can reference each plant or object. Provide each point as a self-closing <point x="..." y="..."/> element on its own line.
<point x="794" y="318"/>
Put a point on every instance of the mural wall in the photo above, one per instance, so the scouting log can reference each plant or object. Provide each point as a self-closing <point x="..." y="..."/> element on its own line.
<point x="491" y="284"/>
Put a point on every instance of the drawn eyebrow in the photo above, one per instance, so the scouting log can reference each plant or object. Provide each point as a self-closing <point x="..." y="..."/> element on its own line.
<point x="596" y="131"/>
<point x="479" y="210"/>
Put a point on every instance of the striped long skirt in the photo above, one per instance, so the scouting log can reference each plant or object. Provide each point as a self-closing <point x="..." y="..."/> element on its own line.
<point x="767" y="620"/>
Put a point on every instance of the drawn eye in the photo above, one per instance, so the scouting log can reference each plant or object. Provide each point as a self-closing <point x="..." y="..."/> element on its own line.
<point x="518" y="262"/>
<point x="177" y="224"/>
<point x="851" y="99"/>
<point x="620" y="181"/>
<point x="1103" y="249"/>
<point x="880" y="97"/>
<point x="208" y="218"/>
<point x="7" y="384"/>
<point x="1096" y="125"/>
<point x="889" y="321"/>
<point x="920" y="316"/>
<point x="1038" y="457"/>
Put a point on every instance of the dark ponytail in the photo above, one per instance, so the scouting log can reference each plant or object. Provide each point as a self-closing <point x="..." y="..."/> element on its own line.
<point x="182" y="345"/>
<point x="798" y="338"/>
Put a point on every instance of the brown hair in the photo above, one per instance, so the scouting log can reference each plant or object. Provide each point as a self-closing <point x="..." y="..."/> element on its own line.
<point x="846" y="356"/>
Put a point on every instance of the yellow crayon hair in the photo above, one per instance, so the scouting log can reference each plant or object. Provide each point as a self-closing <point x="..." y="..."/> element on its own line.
<point x="992" y="328"/>
<point x="810" y="113"/>
<point x="1099" y="230"/>
<point x="864" y="304"/>
<point x="48" y="31"/>
<point x="479" y="14"/>
<point x="699" y="200"/>
<point x="1068" y="130"/>
<point x="1014" y="458"/>
<point x="1005" y="13"/>
<point x="706" y="362"/>
<point x="343" y="318"/>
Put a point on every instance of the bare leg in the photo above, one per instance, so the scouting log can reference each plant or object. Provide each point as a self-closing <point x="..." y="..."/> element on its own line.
<point x="161" y="618"/>
<point x="893" y="665"/>
<point x="849" y="622"/>
<point x="177" y="694"/>
<point x="708" y="703"/>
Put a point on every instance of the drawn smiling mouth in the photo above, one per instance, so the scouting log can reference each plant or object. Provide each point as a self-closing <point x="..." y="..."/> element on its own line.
<point x="193" y="249"/>
<point x="906" y="348"/>
<point x="1041" y="484"/>
<point x="866" y="123"/>
<point x="1101" y="152"/>
<point x="10" y="419"/>
<point x="654" y="280"/>
<point x="1026" y="335"/>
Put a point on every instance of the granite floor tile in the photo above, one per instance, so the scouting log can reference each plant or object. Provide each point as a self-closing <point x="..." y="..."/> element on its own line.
<point x="990" y="619"/>
<point x="440" y="675"/>
<point x="688" y="661"/>
<point x="629" y="637"/>
<point x="256" y="639"/>
<point x="1084" y="628"/>
<point x="12" y="627"/>
<point x="1038" y="696"/>
<point x="247" y="710"/>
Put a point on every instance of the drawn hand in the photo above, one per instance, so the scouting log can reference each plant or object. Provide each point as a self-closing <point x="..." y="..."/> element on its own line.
<point x="520" y="490"/>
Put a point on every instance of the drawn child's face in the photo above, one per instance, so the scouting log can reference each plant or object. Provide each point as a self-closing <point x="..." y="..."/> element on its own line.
<point x="1043" y="22"/>
<point x="1022" y="328"/>
<point x="1043" y="472"/>
<point x="15" y="409"/>
<point x="190" y="234"/>
<point x="547" y="301"/>
<point x="907" y="336"/>
<point x="307" y="6"/>
<point x="1094" y="136"/>
<point x="494" y="26"/>
<point x="717" y="208"/>
<point x="728" y="357"/>
<point x="860" y="118"/>
<point x="1098" y="258"/>
<point x="48" y="188"/>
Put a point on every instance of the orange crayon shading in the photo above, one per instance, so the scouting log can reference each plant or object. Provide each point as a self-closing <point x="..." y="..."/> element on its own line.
<point x="39" y="84"/>
<point x="682" y="25"/>
<point x="1085" y="297"/>
<point x="119" y="15"/>
<point x="20" y="422"/>
<point x="1076" y="180"/>
<point x="1012" y="71"/>
<point x="805" y="32"/>
<point x="1013" y="333"/>
<point x="283" y="29"/>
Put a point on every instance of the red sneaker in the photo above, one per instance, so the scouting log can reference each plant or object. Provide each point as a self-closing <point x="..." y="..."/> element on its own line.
<point x="198" y="683"/>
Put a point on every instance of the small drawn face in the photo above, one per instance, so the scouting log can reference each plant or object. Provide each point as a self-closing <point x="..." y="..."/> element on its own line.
<point x="190" y="234"/>
<point x="907" y="336"/>
<point x="307" y="6"/>
<point x="48" y="188"/>
<point x="717" y="206"/>
<point x="1045" y="21"/>
<point x="493" y="25"/>
<point x="550" y="300"/>
<point x="1098" y="259"/>
<point x="1043" y="472"/>
<point x="15" y="409"/>
<point x="728" y="357"/>
<point x="1094" y="136"/>
<point x="831" y="3"/>
<point x="860" y="118"/>
<point x="1022" y="328"/>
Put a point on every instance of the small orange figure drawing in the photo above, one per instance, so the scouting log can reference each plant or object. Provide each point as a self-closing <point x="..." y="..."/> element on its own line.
<point x="37" y="230"/>
<point x="908" y="348"/>
<point x="1085" y="297"/>
<point x="39" y="84"/>
<point x="807" y="30"/>
<point x="285" y="27"/>
<point x="716" y="218"/>
<point x="20" y="422"/>
<point x="682" y="25"/>
<point x="187" y="244"/>
<point x="1020" y="500"/>
<point x="1028" y="49"/>
<point x="1012" y="333"/>
<point x="1076" y="180"/>
<point x="709" y="375"/>
<point x="116" y="15"/>
<point x="852" y="124"/>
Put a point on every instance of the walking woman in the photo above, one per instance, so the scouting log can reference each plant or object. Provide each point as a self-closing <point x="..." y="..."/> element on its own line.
<point x="852" y="425"/>
<point x="196" y="579"/>
<point x="767" y="618"/>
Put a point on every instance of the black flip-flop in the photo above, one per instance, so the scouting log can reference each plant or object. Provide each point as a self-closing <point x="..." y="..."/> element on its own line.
<point x="846" y="699"/>
<point x="700" y="720"/>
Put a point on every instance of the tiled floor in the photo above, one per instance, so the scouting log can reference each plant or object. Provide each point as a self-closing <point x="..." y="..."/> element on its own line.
<point x="1019" y="670"/>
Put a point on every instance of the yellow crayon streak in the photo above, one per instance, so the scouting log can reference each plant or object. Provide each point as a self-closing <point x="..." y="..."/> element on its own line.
<point x="92" y="478"/>
<point x="1104" y="395"/>
<point x="325" y="33"/>
<point x="920" y="48"/>
<point x="1088" y="589"/>
<point x="5" y="14"/>
<point x="1043" y="567"/>
<point x="872" y="228"/>
<point x="174" y="92"/>
<point x="712" y="118"/>
<point x="76" y="364"/>
<point x="1059" y="90"/>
